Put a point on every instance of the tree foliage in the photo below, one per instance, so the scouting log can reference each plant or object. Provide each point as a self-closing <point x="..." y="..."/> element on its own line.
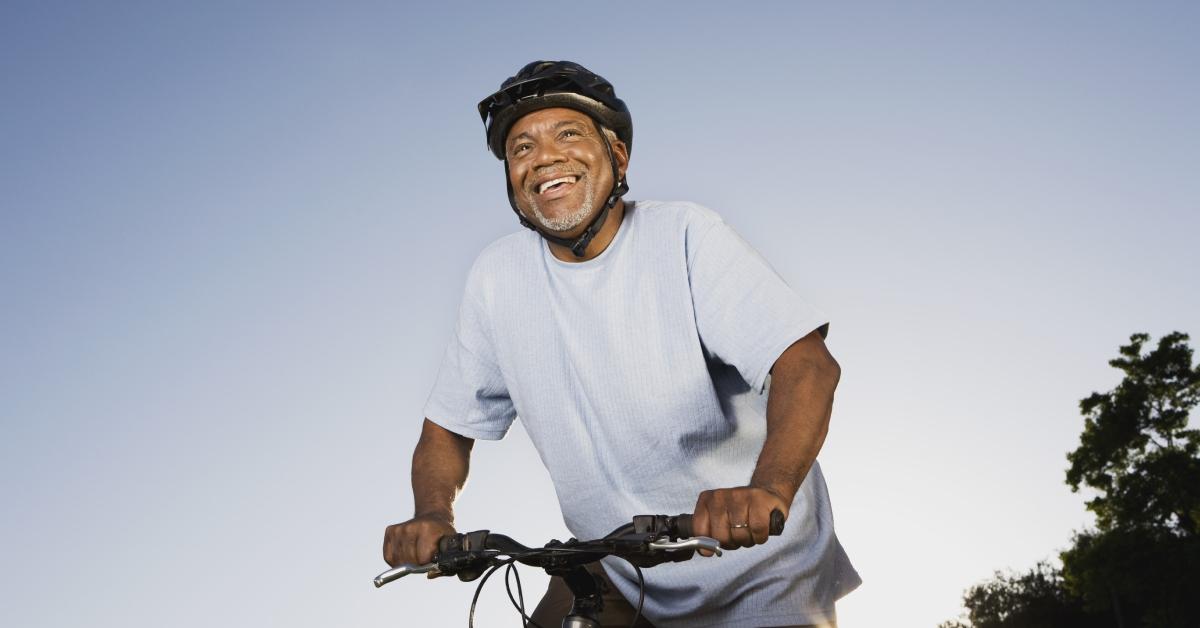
<point x="1138" y="454"/>
<point x="1137" y="577"/>
<point x="1136" y="450"/>
<point x="1035" y="599"/>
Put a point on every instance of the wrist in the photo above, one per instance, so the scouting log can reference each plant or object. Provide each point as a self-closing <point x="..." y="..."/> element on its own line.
<point x="785" y="491"/>
<point x="440" y="514"/>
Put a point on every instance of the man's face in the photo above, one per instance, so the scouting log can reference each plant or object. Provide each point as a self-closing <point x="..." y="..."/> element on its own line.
<point x="558" y="168"/>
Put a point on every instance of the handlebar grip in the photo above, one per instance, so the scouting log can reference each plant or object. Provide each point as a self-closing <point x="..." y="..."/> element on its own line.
<point x="683" y="524"/>
<point x="463" y="541"/>
<point x="777" y="521"/>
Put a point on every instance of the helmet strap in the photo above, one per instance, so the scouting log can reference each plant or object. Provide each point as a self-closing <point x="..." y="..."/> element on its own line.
<point x="578" y="245"/>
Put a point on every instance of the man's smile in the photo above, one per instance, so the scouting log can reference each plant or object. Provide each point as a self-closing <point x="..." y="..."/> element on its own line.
<point x="555" y="186"/>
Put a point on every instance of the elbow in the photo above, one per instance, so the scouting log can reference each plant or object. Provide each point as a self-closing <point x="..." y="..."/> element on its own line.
<point x="817" y="362"/>
<point x="823" y="366"/>
<point x="832" y="371"/>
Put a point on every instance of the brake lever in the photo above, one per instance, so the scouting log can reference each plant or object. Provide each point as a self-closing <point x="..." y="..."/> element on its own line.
<point x="404" y="570"/>
<point x="694" y="543"/>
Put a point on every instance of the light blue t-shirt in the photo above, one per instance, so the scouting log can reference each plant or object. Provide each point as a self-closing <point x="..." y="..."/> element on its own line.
<point x="641" y="377"/>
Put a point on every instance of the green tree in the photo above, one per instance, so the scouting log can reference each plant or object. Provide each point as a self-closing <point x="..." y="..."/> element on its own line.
<point x="1135" y="577"/>
<point x="1138" y="454"/>
<point x="1136" y="450"/>
<point x="1035" y="599"/>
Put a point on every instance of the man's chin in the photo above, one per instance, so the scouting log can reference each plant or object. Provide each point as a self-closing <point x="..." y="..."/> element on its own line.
<point x="566" y="225"/>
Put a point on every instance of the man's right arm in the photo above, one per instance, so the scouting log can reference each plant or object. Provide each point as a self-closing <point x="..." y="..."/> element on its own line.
<point x="439" y="470"/>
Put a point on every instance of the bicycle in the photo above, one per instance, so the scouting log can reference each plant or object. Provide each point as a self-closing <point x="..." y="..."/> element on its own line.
<point x="648" y="541"/>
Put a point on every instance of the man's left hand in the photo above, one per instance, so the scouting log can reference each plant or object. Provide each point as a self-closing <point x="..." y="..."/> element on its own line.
<point x="737" y="517"/>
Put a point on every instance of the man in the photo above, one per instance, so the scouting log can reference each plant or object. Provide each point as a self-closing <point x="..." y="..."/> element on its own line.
<point x="636" y="342"/>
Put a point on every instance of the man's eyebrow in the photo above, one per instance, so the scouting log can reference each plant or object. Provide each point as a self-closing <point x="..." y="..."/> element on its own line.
<point x="561" y="123"/>
<point x="557" y="125"/>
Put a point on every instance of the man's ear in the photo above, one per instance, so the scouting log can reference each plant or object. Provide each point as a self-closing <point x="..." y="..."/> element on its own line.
<point x="621" y="155"/>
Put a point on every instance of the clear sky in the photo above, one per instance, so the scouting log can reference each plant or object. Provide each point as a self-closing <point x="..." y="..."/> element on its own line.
<point x="233" y="238"/>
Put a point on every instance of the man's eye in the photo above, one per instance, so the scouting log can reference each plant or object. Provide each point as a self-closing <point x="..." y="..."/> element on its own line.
<point x="570" y="133"/>
<point x="520" y="149"/>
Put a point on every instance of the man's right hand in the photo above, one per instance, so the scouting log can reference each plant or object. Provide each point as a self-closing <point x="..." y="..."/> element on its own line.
<point x="415" y="541"/>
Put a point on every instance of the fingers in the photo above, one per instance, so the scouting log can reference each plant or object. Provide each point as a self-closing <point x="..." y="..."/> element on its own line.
<point x="414" y="541"/>
<point x="392" y="545"/>
<point x="426" y="546"/>
<point x="736" y="517"/>
<point x="717" y="512"/>
<point x="739" y="524"/>
<point x="759" y="521"/>
<point x="700" y="522"/>
<point x="410" y="546"/>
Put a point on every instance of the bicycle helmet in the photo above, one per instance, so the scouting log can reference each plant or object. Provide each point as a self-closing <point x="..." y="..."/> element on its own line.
<point x="546" y="84"/>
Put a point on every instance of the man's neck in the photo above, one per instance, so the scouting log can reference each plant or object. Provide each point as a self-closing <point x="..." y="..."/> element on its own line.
<point x="603" y="238"/>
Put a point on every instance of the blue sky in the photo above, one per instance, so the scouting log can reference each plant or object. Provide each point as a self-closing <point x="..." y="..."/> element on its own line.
<point x="233" y="240"/>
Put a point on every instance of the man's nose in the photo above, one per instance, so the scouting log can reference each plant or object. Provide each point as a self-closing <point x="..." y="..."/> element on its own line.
<point x="547" y="154"/>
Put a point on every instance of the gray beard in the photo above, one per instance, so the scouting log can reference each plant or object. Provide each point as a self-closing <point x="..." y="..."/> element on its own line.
<point x="572" y="219"/>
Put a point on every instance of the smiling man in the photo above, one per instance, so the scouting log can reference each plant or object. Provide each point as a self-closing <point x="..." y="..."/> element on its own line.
<point x="657" y="363"/>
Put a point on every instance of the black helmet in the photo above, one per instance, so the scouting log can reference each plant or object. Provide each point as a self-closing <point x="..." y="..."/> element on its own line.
<point x="545" y="84"/>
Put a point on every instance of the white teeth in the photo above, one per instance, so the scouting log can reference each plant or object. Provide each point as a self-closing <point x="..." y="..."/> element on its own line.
<point x="543" y="187"/>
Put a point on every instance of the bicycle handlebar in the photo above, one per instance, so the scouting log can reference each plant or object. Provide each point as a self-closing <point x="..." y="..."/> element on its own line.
<point x="649" y="540"/>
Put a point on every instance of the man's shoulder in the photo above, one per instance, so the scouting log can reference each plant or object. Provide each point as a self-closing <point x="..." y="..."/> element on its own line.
<point x="680" y="212"/>
<point x="684" y="222"/>
<point x="508" y="248"/>
<point x="507" y="259"/>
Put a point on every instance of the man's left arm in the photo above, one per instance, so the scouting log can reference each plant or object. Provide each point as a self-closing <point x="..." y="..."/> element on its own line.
<point x="799" y="405"/>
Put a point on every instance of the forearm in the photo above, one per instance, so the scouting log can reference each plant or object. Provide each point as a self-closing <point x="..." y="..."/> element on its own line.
<point x="441" y="462"/>
<point x="799" y="406"/>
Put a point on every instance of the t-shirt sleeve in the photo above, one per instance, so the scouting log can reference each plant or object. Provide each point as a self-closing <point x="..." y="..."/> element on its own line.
<point x="746" y="314"/>
<point x="470" y="397"/>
